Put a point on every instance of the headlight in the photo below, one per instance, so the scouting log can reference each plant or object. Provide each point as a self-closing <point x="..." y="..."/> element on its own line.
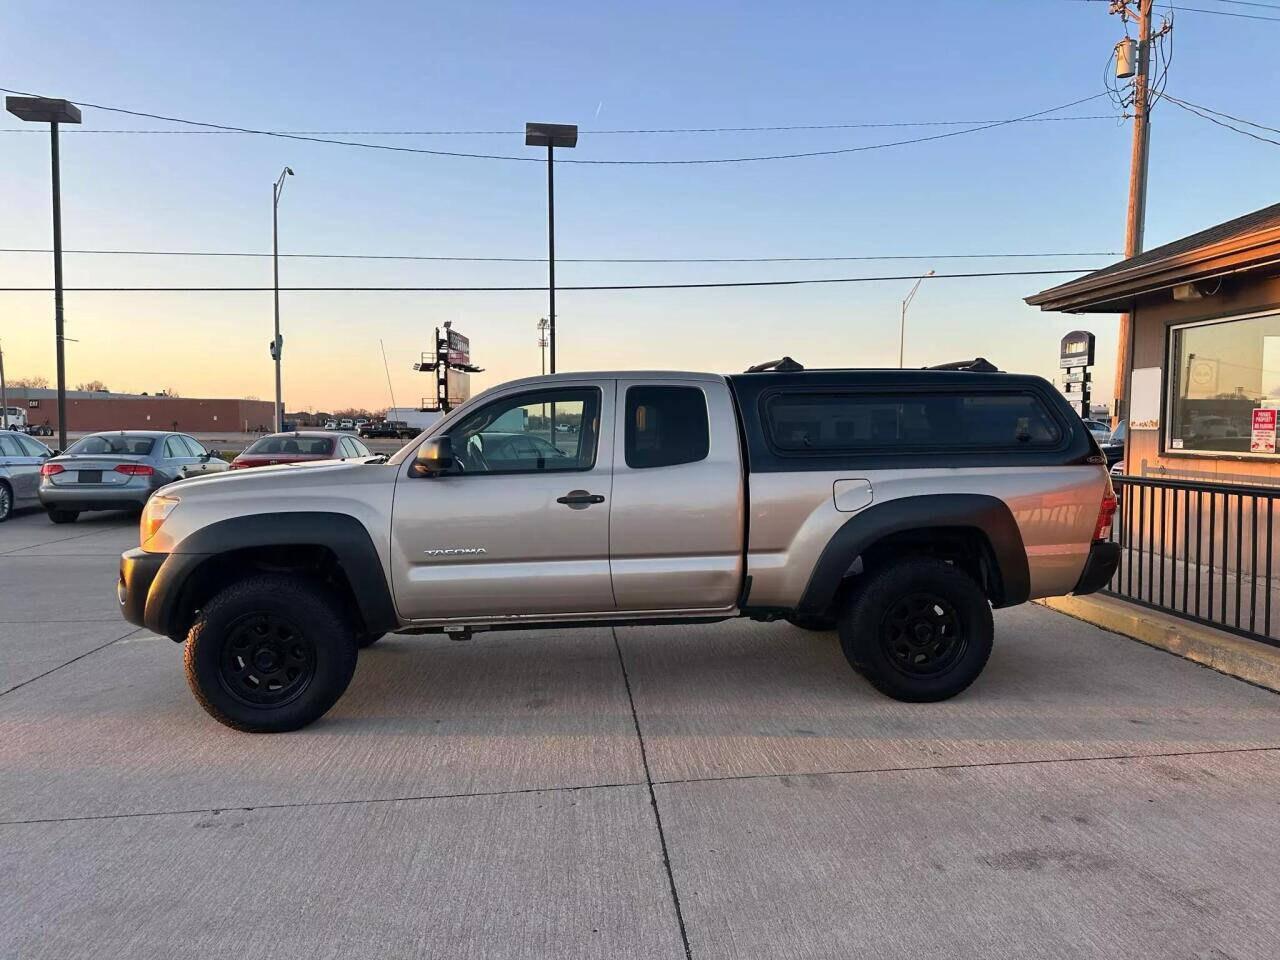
<point x="155" y="513"/>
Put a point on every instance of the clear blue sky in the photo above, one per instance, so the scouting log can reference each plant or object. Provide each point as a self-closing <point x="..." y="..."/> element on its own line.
<point x="320" y="66"/>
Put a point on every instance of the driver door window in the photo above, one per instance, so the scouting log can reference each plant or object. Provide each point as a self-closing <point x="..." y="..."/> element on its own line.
<point x="548" y="431"/>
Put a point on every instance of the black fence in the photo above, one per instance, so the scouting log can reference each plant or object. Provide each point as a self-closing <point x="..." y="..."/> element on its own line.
<point x="1203" y="551"/>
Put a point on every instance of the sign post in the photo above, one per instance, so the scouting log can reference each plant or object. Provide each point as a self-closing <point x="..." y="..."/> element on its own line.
<point x="451" y="363"/>
<point x="1075" y="357"/>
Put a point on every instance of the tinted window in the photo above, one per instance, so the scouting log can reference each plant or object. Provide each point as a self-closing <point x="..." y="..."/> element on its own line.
<point x="666" y="426"/>
<point x="529" y="433"/>
<point x="292" y="446"/>
<point x="113" y="443"/>
<point x="835" y="422"/>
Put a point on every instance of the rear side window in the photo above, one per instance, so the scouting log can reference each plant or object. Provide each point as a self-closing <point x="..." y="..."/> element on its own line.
<point x="666" y="426"/>
<point x="841" y="422"/>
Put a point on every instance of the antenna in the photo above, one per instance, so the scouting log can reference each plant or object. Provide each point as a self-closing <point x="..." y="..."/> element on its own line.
<point x="388" y="372"/>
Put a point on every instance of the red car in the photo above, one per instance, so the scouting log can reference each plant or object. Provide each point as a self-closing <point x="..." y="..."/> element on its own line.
<point x="299" y="447"/>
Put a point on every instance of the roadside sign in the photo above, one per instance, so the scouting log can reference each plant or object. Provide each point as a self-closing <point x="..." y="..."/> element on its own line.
<point x="459" y="349"/>
<point x="1263" y="439"/>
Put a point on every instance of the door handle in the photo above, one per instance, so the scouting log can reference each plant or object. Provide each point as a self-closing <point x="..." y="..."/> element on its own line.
<point x="577" y="499"/>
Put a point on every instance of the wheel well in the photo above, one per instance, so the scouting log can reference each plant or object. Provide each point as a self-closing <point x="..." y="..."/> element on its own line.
<point x="966" y="547"/>
<point x="313" y="562"/>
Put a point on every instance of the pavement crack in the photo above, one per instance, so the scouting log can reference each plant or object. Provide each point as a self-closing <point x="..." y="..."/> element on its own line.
<point x="653" y="800"/>
<point x="103" y="646"/>
<point x="303" y="804"/>
<point x="971" y="766"/>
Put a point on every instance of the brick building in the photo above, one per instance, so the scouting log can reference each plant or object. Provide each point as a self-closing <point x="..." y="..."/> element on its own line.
<point x="88" y="411"/>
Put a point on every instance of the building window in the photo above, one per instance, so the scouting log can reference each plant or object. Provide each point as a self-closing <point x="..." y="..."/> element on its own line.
<point x="1220" y="372"/>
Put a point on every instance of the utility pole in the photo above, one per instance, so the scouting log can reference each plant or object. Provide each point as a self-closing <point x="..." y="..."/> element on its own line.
<point x="1136" y="215"/>
<point x="902" y="324"/>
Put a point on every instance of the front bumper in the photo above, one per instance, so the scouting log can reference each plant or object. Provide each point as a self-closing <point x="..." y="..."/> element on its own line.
<point x="1099" y="568"/>
<point x="138" y="570"/>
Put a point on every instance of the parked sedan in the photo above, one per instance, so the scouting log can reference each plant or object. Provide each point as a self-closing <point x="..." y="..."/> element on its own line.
<point x="119" y="471"/>
<point x="300" y="447"/>
<point x="20" y="462"/>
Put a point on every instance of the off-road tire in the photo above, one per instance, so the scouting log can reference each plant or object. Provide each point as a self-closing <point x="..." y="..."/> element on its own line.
<point x="920" y="630"/>
<point x="63" y="516"/>
<point x="368" y="639"/>
<point x="282" y="631"/>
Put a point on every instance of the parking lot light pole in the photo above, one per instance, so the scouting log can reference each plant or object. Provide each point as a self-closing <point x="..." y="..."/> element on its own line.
<point x="52" y="112"/>
<point x="902" y="325"/>
<point x="551" y="135"/>
<point x="278" y="342"/>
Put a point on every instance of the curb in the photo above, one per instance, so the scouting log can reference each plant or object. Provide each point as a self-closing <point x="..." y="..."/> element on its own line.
<point x="1235" y="656"/>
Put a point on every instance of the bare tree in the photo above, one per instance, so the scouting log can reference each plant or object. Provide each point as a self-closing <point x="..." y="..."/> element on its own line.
<point x="38" y="383"/>
<point x="93" y="386"/>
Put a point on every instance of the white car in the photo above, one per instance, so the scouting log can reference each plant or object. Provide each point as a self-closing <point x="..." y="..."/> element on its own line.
<point x="331" y="424"/>
<point x="347" y="424"/>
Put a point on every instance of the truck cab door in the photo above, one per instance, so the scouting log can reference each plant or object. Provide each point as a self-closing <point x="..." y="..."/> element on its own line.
<point x="519" y="526"/>
<point x="677" y="523"/>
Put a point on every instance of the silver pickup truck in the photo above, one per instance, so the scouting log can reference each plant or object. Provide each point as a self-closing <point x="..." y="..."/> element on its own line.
<point x="896" y="506"/>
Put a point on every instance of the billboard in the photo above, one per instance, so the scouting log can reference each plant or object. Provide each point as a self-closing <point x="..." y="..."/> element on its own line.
<point x="459" y="349"/>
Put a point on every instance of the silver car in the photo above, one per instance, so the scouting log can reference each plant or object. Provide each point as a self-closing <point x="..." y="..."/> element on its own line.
<point x="20" y="460"/>
<point x="120" y="470"/>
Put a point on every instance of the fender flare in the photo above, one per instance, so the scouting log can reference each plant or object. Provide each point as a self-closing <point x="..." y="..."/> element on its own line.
<point x="344" y="535"/>
<point x="987" y="514"/>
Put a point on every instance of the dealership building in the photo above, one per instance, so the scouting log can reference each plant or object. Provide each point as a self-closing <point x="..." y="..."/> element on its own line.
<point x="102" y="410"/>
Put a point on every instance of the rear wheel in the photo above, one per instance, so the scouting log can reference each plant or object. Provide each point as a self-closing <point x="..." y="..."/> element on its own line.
<point x="6" y="501"/>
<point x="63" y="516"/>
<point x="270" y="654"/>
<point x="919" y="630"/>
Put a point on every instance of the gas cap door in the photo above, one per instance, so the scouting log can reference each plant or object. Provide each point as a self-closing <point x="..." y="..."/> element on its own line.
<point x="852" y="495"/>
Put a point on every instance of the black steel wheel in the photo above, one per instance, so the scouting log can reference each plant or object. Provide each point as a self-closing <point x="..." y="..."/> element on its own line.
<point x="266" y="660"/>
<point x="922" y="634"/>
<point x="919" y="629"/>
<point x="270" y="653"/>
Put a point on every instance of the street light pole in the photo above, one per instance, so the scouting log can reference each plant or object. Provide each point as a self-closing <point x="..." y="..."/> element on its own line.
<point x="278" y="342"/>
<point x="53" y="112"/>
<point x="902" y="325"/>
<point x="551" y="135"/>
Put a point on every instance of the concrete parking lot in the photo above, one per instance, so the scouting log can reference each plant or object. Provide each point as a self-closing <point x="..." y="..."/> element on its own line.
<point x="720" y="791"/>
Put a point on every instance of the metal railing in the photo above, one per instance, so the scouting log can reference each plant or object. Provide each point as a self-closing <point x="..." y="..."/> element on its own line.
<point x="1203" y="551"/>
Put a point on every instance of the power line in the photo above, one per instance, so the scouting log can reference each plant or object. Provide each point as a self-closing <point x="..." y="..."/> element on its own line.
<point x="593" y="133"/>
<point x="1227" y="13"/>
<point x="539" y="159"/>
<point x="625" y="286"/>
<point x="541" y="260"/>
<point x="1212" y="116"/>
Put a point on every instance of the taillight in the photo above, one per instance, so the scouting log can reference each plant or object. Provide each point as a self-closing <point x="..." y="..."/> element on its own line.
<point x="49" y="469"/>
<point x="135" y="469"/>
<point x="1106" y="512"/>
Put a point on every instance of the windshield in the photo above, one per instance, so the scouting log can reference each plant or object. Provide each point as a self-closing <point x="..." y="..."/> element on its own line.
<point x="293" y="446"/>
<point x="112" y="444"/>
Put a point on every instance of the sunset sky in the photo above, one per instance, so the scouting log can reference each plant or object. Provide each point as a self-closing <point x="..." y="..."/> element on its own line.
<point x="1056" y="187"/>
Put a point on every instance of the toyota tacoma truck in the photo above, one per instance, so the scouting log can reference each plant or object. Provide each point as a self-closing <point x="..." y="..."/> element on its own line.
<point x="897" y="507"/>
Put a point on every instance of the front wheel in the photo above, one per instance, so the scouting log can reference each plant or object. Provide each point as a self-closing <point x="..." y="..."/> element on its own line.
<point x="919" y="630"/>
<point x="269" y="654"/>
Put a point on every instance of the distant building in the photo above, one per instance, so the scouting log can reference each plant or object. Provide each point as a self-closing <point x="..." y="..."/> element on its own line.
<point x="102" y="410"/>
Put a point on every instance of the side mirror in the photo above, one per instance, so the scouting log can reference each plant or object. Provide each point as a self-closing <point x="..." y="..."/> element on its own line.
<point x="210" y="454"/>
<point x="434" y="457"/>
<point x="56" y="453"/>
